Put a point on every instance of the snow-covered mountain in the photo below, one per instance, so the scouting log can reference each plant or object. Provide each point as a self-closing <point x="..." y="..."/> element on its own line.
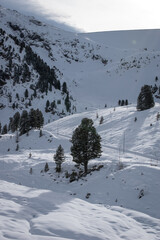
<point x="97" y="72"/>
<point x="79" y="75"/>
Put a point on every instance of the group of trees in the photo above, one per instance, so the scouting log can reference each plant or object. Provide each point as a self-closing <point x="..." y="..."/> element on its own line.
<point x="47" y="76"/>
<point x="86" y="142"/>
<point x="86" y="145"/>
<point x="26" y="121"/>
<point x="123" y="102"/>
<point x="25" y="67"/>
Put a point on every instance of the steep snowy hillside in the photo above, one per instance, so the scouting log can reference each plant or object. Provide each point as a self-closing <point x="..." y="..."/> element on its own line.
<point x="40" y="59"/>
<point x="118" y="199"/>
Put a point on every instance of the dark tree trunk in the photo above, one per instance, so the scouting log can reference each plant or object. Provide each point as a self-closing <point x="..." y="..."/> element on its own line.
<point x="58" y="168"/>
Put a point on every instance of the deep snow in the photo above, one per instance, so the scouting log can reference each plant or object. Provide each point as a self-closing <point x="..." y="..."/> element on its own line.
<point x="46" y="206"/>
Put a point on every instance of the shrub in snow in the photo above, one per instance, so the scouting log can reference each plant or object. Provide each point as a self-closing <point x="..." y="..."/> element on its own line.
<point x="73" y="176"/>
<point x="88" y="195"/>
<point x="120" y="165"/>
<point x="141" y="193"/>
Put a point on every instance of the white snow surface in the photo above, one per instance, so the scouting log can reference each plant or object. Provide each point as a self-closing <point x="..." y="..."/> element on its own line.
<point x="105" y="204"/>
<point x="47" y="206"/>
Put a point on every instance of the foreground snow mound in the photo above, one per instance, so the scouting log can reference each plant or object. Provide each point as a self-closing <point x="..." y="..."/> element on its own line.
<point x="28" y="213"/>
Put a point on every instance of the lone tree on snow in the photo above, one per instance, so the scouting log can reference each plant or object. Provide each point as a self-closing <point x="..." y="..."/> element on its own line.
<point x="59" y="158"/>
<point x="145" y="99"/>
<point x="86" y="143"/>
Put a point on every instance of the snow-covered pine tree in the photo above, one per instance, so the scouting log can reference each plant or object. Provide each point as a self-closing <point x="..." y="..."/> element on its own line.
<point x="145" y="99"/>
<point x="86" y="143"/>
<point x="59" y="158"/>
<point x="32" y="118"/>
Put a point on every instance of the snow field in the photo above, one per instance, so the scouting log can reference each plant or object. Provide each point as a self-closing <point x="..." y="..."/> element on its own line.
<point x="46" y="206"/>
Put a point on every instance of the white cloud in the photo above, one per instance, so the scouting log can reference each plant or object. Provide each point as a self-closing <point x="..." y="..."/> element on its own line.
<point x="96" y="15"/>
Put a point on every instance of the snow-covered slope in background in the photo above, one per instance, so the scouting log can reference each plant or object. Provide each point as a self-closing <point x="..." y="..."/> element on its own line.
<point x="131" y="39"/>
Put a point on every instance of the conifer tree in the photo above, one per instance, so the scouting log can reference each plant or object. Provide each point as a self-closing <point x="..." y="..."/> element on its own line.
<point x="46" y="168"/>
<point x="122" y="103"/>
<point x="4" y="129"/>
<point x="15" y="122"/>
<point x="59" y="158"/>
<point x="47" y="105"/>
<point x="67" y="103"/>
<point x="145" y="99"/>
<point x="126" y="102"/>
<point x="32" y="118"/>
<point x="64" y="87"/>
<point x="24" y="123"/>
<point x="39" y="119"/>
<point x="26" y="93"/>
<point x="86" y="143"/>
<point x="119" y="102"/>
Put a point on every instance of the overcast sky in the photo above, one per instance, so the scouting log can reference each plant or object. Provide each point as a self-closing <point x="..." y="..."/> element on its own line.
<point x="92" y="15"/>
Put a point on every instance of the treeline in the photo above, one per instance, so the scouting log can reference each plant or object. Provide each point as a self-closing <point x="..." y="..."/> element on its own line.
<point x="123" y="102"/>
<point x="24" y="122"/>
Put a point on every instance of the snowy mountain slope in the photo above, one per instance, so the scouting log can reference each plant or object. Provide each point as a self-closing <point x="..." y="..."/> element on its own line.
<point x="96" y="72"/>
<point x="103" y="205"/>
<point x="130" y="39"/>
